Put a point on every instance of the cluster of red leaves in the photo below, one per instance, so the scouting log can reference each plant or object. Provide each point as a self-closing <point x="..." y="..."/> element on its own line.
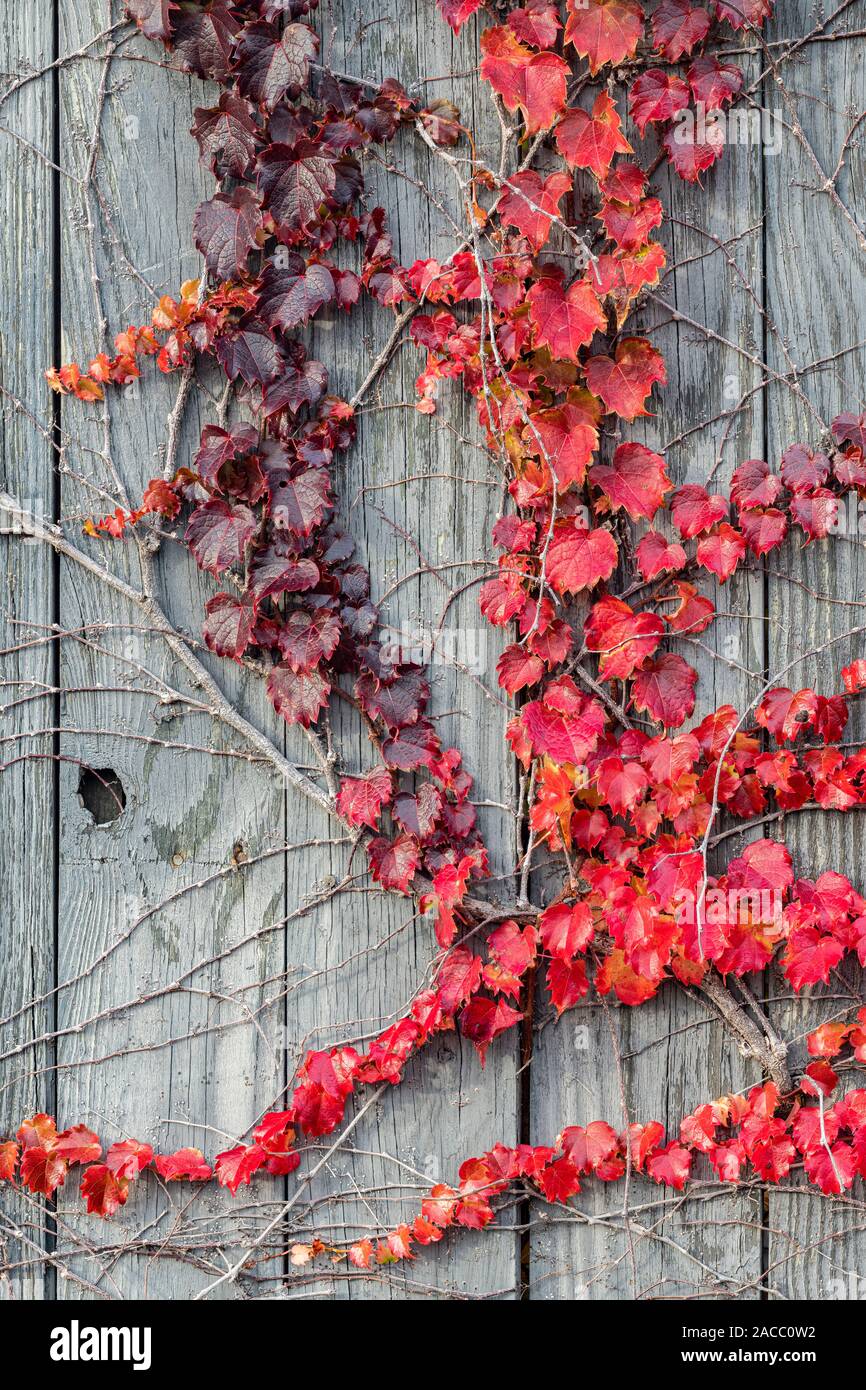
<point x="522" y="65"/>
<point x="758" y="1135"/>
<point x="547" y="365"/>
<point x="761" y="1134"/>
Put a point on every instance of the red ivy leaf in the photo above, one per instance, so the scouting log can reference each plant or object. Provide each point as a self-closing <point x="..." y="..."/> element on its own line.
<point x="77" y="1145"/>
<point x="714" y="84"/>
<point x="103" y="1192"/>
<point x="483" y="1020"/>
<point x="591" y="141"/>
<point x="237" y="1166"/>
<point x="530" y="203"/>
<point x="604" y="31"/>
<point x="622" y="637"/>
<point x="394" y="862"/>
<point x="566" y="929"/>
<point x="564" y="320"/>
<point x="579" y="559"/>
<point x="637" y="481"/>
<point x="360" y="799"/>
<point x="566" y="983"/>
<point x="298" y="697"/>
<point x="456" y="12"/>
<point x="532" y="82"/>
<point x="665" y="690"/>
<point x="656" y="95"/>
<point x="270" y="62"/>
<point x="677" y="26"/>
<point x="128" y="1157"/>
<point x="225" y="230"/>
<point x="185" y="1163"/>
<point x="229" y="624"/>
<point x="625" y="381"/>
<point x="694" y="147"/>
<point x="721" y="551"/>
<point x="218" y="534"/>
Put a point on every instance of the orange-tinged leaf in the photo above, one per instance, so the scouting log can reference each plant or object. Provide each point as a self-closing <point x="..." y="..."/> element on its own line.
<point x="534" y="83"/>
<point x="604" y="31"/>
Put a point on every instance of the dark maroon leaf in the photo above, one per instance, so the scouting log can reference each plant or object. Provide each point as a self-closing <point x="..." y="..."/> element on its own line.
<point x="413" y="747"/>
<point x="337" y="547"/>
<point x="291" y="297"/>
<point x="269" y="63"/>
<point x="300" y="697"/>
<point x="459" y="820"/>
<point x="226" y="136"/>
<point x="204" y="37"/>
<point x="243" y="478"/>
<point x="398" y="702"/>
<point x="272" y="573"/>
<point x="299" y="504"/>
<point x="420" y="814"/>
<point x="849" y="428"/>
<point x="229" y="624"/>
<point x="309" y="638"/>
<point x="348" y="181"/>
<point x="305" y="385"/>
<point x="153" y="17"/>
<point x="803" y="469"/>
<point x="387" y="286"/>
<point x="218" y="446"/>
<point x="294" y="182"/>
<point x="225" y="230"/>
<point x="360" y="620"/>
<point x="218" y="534"/>
<point x="355" y="583"/>
<point x="251" y="353"/>
<point x="342" y="135"/>
<point x="348" y="288"/>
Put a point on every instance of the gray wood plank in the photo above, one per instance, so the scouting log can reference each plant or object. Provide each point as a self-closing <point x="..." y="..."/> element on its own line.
<point x="185" y="812"/>
<point x="675" y="1055"/>
<point x="448" y="1109"/>
<point x="27" y="670"/>
<point x="815" y="296"/>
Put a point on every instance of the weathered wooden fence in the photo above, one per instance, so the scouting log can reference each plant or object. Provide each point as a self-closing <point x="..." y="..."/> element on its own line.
<point x="163" y="969"/>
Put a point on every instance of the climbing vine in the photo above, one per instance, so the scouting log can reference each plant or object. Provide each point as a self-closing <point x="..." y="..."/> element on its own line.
<point x="601" y="561"/>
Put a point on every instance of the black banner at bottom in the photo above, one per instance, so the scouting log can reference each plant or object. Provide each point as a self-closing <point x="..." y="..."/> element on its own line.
<point x="148" y="1338"/>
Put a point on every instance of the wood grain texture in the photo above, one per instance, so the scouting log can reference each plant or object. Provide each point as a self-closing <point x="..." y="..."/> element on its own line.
<point x="446" y="497"/>
<point x="816" y="297"/>
<point x="185" y="812"/>
<point x="27" y="608"/>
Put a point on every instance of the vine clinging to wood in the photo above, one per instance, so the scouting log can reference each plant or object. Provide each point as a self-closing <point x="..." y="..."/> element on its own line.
<point x="629" y="805"/>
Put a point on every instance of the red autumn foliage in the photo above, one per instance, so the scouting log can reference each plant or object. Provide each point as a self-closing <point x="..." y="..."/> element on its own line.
<point x="617" y="783"/>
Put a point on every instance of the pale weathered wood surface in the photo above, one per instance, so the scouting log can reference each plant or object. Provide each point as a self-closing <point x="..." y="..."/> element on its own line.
<point x="816" y="298"/>
<point x="28" y="791"/>
<point x="297" y="968"/>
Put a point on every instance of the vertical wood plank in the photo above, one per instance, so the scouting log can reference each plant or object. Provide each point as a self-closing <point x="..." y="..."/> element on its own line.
<point x="445" y="497"/>
<point x="816" y="298"/>
<point x="27" y="670"/>
<point x="674" y="1054"/>
<point x="187" y="815"/>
